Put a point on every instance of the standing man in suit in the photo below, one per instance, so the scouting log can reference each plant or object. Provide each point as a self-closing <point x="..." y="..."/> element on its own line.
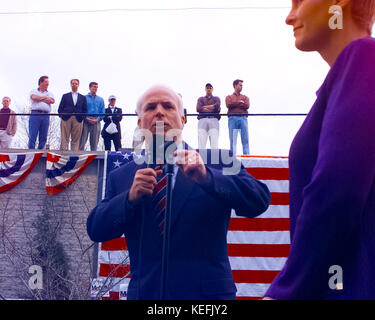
<point x="114" y="115"/>
<point x="202" y="200"/>
<point x="72" y="102"/>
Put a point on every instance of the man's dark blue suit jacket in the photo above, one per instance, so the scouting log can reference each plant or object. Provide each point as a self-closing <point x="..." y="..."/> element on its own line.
<point x="198" y="265"/>
<point x="67" y="106"/>
<point x="116" y="118"/>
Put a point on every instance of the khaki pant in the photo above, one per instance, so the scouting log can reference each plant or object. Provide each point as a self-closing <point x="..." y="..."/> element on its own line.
<point x="5" y="140"/>
<point x="70" y="127"/>
<point x="208" y="128"/>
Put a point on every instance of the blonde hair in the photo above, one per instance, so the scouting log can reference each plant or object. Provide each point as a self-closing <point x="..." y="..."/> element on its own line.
<point x="363" y="12"/>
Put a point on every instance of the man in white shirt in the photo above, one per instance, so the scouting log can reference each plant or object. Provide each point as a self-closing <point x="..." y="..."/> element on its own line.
<point x="41" y="100"/>
<point x="71" y="126"/>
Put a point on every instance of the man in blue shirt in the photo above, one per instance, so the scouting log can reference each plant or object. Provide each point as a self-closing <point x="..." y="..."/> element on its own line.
<point x="91" y="125"/>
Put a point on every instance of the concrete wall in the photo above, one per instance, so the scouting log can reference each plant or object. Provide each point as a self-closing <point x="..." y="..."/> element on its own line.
<point x="19" y="208"/>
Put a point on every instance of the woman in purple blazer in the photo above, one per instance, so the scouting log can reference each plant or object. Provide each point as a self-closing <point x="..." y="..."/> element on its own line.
<point x="332" y="159"/>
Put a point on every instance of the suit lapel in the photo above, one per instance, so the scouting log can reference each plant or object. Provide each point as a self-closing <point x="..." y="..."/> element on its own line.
<point x="182" y="189"/>
<point x="80" y="97"/>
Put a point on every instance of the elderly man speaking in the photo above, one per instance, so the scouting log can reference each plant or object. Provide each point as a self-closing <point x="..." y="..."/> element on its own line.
<point x="202" y="199"/>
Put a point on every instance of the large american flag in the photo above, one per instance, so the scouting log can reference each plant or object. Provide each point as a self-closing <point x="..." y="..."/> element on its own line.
<point x="257" y="248"/>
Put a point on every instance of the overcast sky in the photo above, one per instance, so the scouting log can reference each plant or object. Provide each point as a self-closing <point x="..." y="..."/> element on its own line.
<point x="128" y="51"/>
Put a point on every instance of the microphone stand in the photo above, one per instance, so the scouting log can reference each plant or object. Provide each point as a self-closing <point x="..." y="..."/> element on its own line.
<point x="163" y="150"/>
<point x="169" y="171"/>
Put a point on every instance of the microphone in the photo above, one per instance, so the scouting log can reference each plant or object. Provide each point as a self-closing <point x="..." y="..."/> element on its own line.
<point x="160" y="152"/>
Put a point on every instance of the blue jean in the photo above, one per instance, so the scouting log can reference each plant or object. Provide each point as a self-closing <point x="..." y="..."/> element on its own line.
<point x="38" y="125"/>
<point x="235" y="125"/>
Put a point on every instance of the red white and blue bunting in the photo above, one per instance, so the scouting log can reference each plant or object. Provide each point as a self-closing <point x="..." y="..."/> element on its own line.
<point x="62" y="171"/>
<point x="14" y="168"/>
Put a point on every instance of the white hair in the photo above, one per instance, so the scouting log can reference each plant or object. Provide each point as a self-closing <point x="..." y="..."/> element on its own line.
<point x="7" y="98"/>
<point x="180" y="105"/>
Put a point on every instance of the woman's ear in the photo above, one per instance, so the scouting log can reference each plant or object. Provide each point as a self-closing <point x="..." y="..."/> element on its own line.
<point x="342" y="3"/>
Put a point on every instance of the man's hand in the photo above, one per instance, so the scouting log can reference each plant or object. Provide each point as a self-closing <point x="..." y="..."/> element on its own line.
<point x="192" y="165"/>
<point x="92" y="120"/>
<point x="45" y="99"/>
<point x="143" y="184"/>
<point x="209" y="108"/>
<point x="48" y="100"/>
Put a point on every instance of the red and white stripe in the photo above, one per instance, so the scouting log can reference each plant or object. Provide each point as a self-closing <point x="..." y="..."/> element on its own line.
<point x="257" y="248"/>
<point x="8" y="161"/>
<point x="60" y="183"/>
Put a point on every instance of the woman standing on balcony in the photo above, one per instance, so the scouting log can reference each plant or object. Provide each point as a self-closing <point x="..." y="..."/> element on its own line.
<point x="332" y="159"/>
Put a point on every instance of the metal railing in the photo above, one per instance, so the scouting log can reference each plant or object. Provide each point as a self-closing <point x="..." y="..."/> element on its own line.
<point x="53" y="137"/>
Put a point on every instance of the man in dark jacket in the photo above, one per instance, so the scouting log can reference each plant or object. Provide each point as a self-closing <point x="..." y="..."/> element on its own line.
<point x="114" y="116"/>
<point x="204" y="192"/>
<point x="72" y="102"/>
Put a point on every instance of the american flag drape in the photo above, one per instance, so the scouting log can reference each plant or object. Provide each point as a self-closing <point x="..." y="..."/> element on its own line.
<point x="63" y="170"/>
<point x="15" y="167"/>
<point x="257" y="248"/>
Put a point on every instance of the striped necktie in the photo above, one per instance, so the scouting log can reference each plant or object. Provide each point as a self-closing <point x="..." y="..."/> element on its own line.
<point x="159" y="198"/>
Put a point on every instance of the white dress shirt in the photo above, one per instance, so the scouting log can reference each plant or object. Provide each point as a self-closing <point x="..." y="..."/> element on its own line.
<point x="40" y="105"/>
<point x="75" y="97"/>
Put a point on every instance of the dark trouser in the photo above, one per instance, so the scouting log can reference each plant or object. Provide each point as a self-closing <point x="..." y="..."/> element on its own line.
<point x="115" y="137"/>
<point x="38" y="125"/>
<point x="92" y="129"/>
